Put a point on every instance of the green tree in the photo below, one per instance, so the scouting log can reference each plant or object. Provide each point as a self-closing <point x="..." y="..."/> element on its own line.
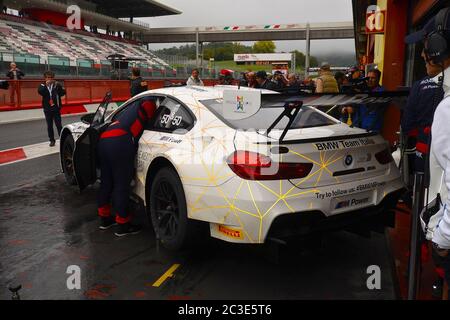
<point x="264" y="47"/>
<point x="299" y="58"/>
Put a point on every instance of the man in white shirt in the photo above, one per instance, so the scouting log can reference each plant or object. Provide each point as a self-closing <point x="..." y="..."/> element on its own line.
<point x="194" y="79"/>
<point x="436" y="38"/>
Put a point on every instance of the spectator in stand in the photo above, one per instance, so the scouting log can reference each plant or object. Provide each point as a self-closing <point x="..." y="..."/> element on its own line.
<point x="326" y="83"/>
<point x="51" y="92"/>
<point x="194" y="79"/>
<point x="14" y="74"/>
<point x="5" y="10"/>
<point x="138" y="85"/>
<point x="263" y="82"/>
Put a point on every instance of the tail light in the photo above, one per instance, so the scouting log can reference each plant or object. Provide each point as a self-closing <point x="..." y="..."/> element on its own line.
<point x="254" y="166"/>
<point x="384" y="157"/>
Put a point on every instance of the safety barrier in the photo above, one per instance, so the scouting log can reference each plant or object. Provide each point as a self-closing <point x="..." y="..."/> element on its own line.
<point x="23" y="94"/>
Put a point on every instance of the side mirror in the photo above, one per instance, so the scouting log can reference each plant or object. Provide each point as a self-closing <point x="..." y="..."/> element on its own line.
<point x="88" y="118"/>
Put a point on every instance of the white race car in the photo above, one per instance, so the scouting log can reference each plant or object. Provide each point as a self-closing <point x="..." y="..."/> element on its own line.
<point x="254" y="166"/>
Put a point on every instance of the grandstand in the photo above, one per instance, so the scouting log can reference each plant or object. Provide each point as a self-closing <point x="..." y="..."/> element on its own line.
<point x="48" y="41"/>
<point x="39" y="38"/>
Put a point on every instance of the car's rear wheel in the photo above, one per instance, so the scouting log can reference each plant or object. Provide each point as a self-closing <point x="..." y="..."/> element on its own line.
<point x="168" y="211"/>
<point x="67" y="160"/>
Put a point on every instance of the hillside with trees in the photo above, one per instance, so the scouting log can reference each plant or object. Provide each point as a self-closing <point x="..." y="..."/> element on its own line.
<point x="225" y="51"/>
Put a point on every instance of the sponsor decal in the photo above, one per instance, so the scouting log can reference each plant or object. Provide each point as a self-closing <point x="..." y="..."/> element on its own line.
<point x="230" y="232"/>
<point x="240" y="104"/>
<point x="343" y="192"/>
<point x="343" y="144"/>
<point x="342" y="204"/>
<point x="170" y="139"/>
<point x="351" y="203"/>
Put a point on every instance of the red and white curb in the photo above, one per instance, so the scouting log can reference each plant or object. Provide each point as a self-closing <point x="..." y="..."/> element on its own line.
<point x="37" y="114"/>
<point x="33" y="151"/>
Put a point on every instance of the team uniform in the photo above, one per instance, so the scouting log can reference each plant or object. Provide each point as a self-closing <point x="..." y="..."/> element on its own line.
<point x="418" y="114"/>
<point x="117" y="150"/>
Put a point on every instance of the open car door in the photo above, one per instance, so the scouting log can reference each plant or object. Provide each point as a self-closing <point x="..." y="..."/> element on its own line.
<point x="84" y="155"/>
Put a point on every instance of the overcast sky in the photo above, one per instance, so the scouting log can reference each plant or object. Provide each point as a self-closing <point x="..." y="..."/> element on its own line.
<point x="260" y="12"/>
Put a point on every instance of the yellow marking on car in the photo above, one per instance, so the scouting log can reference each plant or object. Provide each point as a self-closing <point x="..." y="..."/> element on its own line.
<point x="167" y="274"/>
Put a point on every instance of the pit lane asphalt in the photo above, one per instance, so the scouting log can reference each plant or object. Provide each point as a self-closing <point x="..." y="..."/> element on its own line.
<point x="46" y="226"/>
<point x="19" y="134"/>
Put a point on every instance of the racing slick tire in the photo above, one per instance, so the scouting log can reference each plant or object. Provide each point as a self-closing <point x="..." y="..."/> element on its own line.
<point x="67" y="160"/>
<point x="168" y="212"/>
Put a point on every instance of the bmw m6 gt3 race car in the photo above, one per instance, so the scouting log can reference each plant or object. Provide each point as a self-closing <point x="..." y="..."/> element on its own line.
<point x="249" y="164"/>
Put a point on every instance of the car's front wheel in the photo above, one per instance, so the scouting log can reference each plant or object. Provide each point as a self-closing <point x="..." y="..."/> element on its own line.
<point x="168" y="211"/>
<point x="67" y="160"/>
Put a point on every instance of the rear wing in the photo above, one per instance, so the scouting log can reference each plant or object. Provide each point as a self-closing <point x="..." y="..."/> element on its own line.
<point x="330" y="99"/>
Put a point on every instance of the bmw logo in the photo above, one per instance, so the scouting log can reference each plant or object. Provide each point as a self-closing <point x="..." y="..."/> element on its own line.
<point x="348" y="160"/>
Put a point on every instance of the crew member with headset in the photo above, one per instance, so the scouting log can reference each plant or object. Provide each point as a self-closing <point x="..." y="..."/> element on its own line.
<point x="117" y="149"/>
<point x="416" y="121"/>
<point x="436" y="38"/>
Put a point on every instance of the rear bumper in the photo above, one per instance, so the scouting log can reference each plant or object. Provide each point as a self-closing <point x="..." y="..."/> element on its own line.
<point x="373" y="218"/>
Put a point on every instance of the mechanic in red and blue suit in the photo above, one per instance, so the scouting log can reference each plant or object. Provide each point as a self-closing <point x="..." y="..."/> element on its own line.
<point x="117" y="150"/>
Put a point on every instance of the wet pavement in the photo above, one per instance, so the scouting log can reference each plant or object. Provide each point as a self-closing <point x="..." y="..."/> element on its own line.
<point x="47" y="226"/>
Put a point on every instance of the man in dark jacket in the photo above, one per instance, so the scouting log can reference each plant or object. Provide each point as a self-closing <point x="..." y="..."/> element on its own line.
<point x="138" y="85"/>
<point x="14" y="74"/>
<point x="263" y="82"/>
<point x="51" y="92"/>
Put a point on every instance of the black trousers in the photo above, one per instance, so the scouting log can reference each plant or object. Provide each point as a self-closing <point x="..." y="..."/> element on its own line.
<point x="116" y="156"/>
<point x="53" y="116"/>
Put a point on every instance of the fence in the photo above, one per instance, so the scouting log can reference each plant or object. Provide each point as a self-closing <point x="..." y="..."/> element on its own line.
<point x="34" y="67"/>
<point x="24" y="93"/>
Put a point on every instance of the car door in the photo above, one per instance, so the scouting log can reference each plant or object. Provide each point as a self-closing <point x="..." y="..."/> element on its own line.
<point x="84" y="155"/>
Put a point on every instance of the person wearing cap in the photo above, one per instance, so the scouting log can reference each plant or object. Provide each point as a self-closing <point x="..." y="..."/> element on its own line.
<point x="436" y="39"/>
<point x="368" y="117"/>
<point x="356" y="81"/>
<point x="279" y="80"/>
<point x="263" y="82"/>
<point x="326" y="83"/>
<point x="225" y="77"/>
<point x="341" y="80"/>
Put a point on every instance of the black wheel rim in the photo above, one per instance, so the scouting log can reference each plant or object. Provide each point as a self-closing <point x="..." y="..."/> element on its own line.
<point x="167" y="213"/>
<point x="68" y="160"/>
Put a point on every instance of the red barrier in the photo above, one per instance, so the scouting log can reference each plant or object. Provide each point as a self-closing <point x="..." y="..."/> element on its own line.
<point x="23" y="94"/>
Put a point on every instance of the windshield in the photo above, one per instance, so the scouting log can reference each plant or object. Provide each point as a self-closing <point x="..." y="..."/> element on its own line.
<point x="270" y="109"/>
